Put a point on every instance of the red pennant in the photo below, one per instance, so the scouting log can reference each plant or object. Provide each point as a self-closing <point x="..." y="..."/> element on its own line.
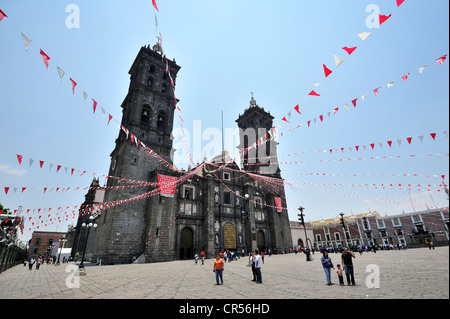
<point x="349" y="50"/>
<point x="110" y="118"/>
<point x="441" y="59"/>
<point x="433" y="135"/>
<point x="405" y="77"/>
<point x="342" y="149"/>
<point x="2" y="15"/>
<point x="284" y="119"/>
<point x="58" y="168"/>
<point x="95" y="105"/>
<point x="399" y="2"/>
<point x="409" y="139"/>
<point x="335" y="110"/>
<point x="309" y="122"/>
<point x="383" y="18"/>
<point x="41" y="163"/>
<point x="45" y="189"/>
<point x="154" y="4"/>
<point x="73" y="170"/>
<point x="321" y="118"/>
<point x="45" y="57"/>
<point x="74" y="84"/>
<point x="372" y="145"/>
<point x="313" y="93"/>
<point x="443" y="176"/>
<point x="23" y="189"/>
<point x="357" y="148"/>
<point x="297" y="108"/>
<point x="354" y="102"/>
<point x="327" y="71"/>
<point x="6" y="190"/>
<point x="389" y="143"/>
<point x="376" y="90"/>
<point x="19" y="158"/>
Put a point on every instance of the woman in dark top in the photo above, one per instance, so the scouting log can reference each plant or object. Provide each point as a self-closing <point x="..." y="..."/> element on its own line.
<point x="327" y="265"/>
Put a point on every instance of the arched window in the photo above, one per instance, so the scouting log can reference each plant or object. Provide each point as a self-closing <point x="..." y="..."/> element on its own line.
<point x="145" y="115"/>
<point x="164" y="87"/>
<point x="152" y="69"/>
<point x="161" y="122"/>
<point x="267" y="143"/>
<point x="245" y="149"/>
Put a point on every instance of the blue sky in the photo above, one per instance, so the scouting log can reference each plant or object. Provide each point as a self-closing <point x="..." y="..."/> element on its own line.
<point x="227" y="49"/>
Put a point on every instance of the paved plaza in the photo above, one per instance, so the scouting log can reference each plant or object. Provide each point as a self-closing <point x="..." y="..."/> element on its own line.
<point x="415" y="273"/>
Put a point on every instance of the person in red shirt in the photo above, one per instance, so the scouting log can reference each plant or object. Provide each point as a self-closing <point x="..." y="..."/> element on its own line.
<point x="202" y="256"/>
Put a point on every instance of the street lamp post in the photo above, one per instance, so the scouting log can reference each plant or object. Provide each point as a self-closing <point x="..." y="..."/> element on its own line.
<point x="343" y="226"/>
<point x="89" y="225"/>
<point x="302" y="222"/>
<point x="63" y="241"/>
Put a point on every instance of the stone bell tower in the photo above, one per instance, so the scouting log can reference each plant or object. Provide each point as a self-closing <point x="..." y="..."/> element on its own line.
<point x="148" y="117"/>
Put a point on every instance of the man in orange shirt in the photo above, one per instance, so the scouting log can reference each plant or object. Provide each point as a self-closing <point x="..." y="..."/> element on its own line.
<point x="218" y="268"/>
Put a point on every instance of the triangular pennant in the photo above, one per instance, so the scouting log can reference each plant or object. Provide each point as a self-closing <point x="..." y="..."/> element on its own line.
<point x="327" y="71"/>
<point x="74" y="84"/>
<point x="110" y="118"/>
<point x="31" y="161"/>
<point x="60" y="72"/>
<point x="357" y="147"/>
<point x="284" y="119"/>
<point x="297" y="108"/>
<point x="337" y="60"/>
<point x="390" y="84"/>
<point x="383" y="18"/>
<point x="6" y="190"/>
<point x="345" y="105"/>
<point x="321" y="118"/>
<point x="95" y="105"/>
<point x="399" y="2"/>
<point x="405" y="77"/>
<point x="2" y="15"/>
<point x="45" y="57"/>
<point x="441" y="59"/>
<point x="422" y="68"/>
<point x="313" y="93"/>
<point x="26" y="41"/>
<point x="389" y="143"/>
<point x="376" y="90"/>
<point x="85" y="95"/>
<point x="372" y="145"/>
<point x="364" y="35"/>
<point x="41" y="163"/>
<point x="19" y="158"/>
<point x="409" y="139"/>
<point x="354" y="102"/>
<point x="349" y="50"/>
<point x="421" y="138"/>
<point x="335" y="110"/>
<point x="433" y="135"/>
<point x="399" y="142"/>
<point x="154" y="4"/>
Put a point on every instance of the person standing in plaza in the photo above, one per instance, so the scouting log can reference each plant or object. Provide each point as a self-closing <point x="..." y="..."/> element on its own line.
<point x="218" y="269"/>
<point x="202" y="257"/>
<point x="257" y="259"/>
<point x="31" y="263"/>
<point x="327" y="265"/>
<point x="346" y="258"/>
<point x="252" y="260"/>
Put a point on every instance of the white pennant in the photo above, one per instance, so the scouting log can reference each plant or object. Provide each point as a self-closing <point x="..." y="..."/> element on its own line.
<point x="85" y="95"/>
<point x="337" y="60"/>
<point x="60" y="72"/>
<point x="364" y="35"/>
<point x="26" y="41"/>
<point x="421" y="69"/>
<point x="390" y="84"/>
<point x="421" y="138"/>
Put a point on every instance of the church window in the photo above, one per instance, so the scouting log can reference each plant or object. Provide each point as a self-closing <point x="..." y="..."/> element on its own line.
<point x="164" y="87"/>
<point x="161" y="124"/>
<point x="145" y="116"/>
<point x="152" y="69"/>
<point x="227" y="198"/>
<point x="245" y="148"/>
<point x="226" y="176"/>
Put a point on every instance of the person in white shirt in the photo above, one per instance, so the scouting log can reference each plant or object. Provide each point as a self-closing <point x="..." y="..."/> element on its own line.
<point x="257" y="261"/>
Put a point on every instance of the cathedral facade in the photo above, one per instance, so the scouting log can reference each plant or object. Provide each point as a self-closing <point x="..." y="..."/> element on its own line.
<point x="216" y="205"/>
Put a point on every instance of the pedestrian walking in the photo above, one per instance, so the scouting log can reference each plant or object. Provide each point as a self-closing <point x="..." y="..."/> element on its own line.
<point x="340" y="274"/>
<point x="327" y="265"/>
<point x="31" y="263"/>
<point x="262" y="257"/>
<point x="196" y="258"/>
<point x="38" y="263"/>
<point x="202" y="257"/>
<point x="218" y="269"/>
<point x="346" y="258"/>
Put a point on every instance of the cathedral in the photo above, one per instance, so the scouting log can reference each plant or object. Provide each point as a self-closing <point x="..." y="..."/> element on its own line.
<point x="216" y="206"/>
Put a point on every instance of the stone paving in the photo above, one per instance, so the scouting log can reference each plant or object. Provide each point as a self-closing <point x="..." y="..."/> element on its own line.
<point x="411" y="274"/>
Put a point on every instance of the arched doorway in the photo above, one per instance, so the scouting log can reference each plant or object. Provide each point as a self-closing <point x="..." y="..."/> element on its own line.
<point x="261" y="243"/>
<point x="300" y="242"/>
<point x="229" y="237"/>
<point x="186" y="243"/>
